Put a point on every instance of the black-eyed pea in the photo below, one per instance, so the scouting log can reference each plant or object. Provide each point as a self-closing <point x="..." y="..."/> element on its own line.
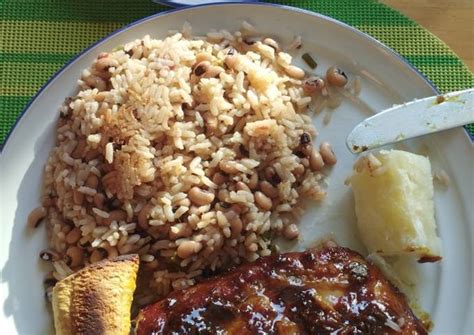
<point x="241" y="186"/>
<point x="77" y="197"/>
<point x="36" y="216"/>
<point x="98" y="255"/>
<point x="230" y="215"/>
<point x="336" y="77"/>
<point x="298" y="170"/>
<point x="95" y="82"/>
<point x="307" y="149"/>
<point x="49" y="255"/>
<point x="92" y="181"/>
<point x="269" y="172"/>
<point x="91" y="154"/>
<point x="115" y="215"/>
<point x="231" y="61"/>
<point x="143" y="216"/>
<point x="271" y="43"/>
<point x="268" y="189"/>
<point x="236" y="208"/>
<point x="75" y="256"/>
<point x="219" y="178"/>
<point x="200" y="197"/>
<point x="263" y="201"/>
<point x="98" y="200"/>
<point x="253" y="181"/>
<point x="313" y="85"/>
<point x="201" y="68"/>
<point x="79" y="150"/>
<point x="291" y="232"/>
<point x="327" y="154"/>
<point x="105" y="63"/>
<point x="305" y="162"/>
<point x="316" y="162"/>
<point x="235" y="226"/>
<point x="73" y="236"/>
<point x="213" y="71"/>
<point x="252" y="247"/>
<point x="112" y="252"/>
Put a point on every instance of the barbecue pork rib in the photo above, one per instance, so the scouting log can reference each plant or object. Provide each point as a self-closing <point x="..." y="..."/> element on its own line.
<point x="328" y="291"/>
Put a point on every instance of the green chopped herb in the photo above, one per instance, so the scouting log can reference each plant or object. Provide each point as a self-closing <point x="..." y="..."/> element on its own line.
<point x="267" y="236"/>
<point x="309" y="60"/>
<point x="117" y="48"/>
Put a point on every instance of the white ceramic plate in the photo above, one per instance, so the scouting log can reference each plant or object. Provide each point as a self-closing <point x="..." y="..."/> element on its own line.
<point x="445" y="289"/>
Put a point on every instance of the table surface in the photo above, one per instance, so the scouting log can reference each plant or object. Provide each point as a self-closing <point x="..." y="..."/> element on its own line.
<point x="450" y="20"/>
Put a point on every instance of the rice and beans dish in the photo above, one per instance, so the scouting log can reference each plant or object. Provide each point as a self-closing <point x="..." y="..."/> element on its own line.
<point x="193" y="152"/>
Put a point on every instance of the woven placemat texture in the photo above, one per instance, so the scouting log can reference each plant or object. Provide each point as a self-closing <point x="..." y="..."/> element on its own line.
<point x="38" y="36"/>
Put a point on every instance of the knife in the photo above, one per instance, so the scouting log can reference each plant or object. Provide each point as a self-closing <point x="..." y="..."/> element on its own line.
<point x="412" y="119"/>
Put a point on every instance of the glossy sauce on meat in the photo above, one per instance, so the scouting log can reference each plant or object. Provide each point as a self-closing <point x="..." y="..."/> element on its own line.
<point x="328" y="291"/>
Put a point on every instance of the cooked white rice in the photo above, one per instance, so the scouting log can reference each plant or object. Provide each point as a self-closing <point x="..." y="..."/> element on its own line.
<point x="185" y="151"/>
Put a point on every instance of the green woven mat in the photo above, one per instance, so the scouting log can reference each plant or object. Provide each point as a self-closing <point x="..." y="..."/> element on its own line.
<point x="38" y="36"/>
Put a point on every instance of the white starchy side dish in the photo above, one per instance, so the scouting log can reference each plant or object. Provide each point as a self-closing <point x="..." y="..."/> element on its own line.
<point x="193" y="152"/>
<point x="393" y="193"/>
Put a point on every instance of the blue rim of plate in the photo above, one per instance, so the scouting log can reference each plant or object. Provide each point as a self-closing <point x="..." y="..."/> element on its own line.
<point x="151" y="17"/>
<point x="183" y="3"/>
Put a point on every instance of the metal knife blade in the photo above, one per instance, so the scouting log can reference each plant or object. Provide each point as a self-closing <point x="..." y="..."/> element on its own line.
<point x="413" y="119"/>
